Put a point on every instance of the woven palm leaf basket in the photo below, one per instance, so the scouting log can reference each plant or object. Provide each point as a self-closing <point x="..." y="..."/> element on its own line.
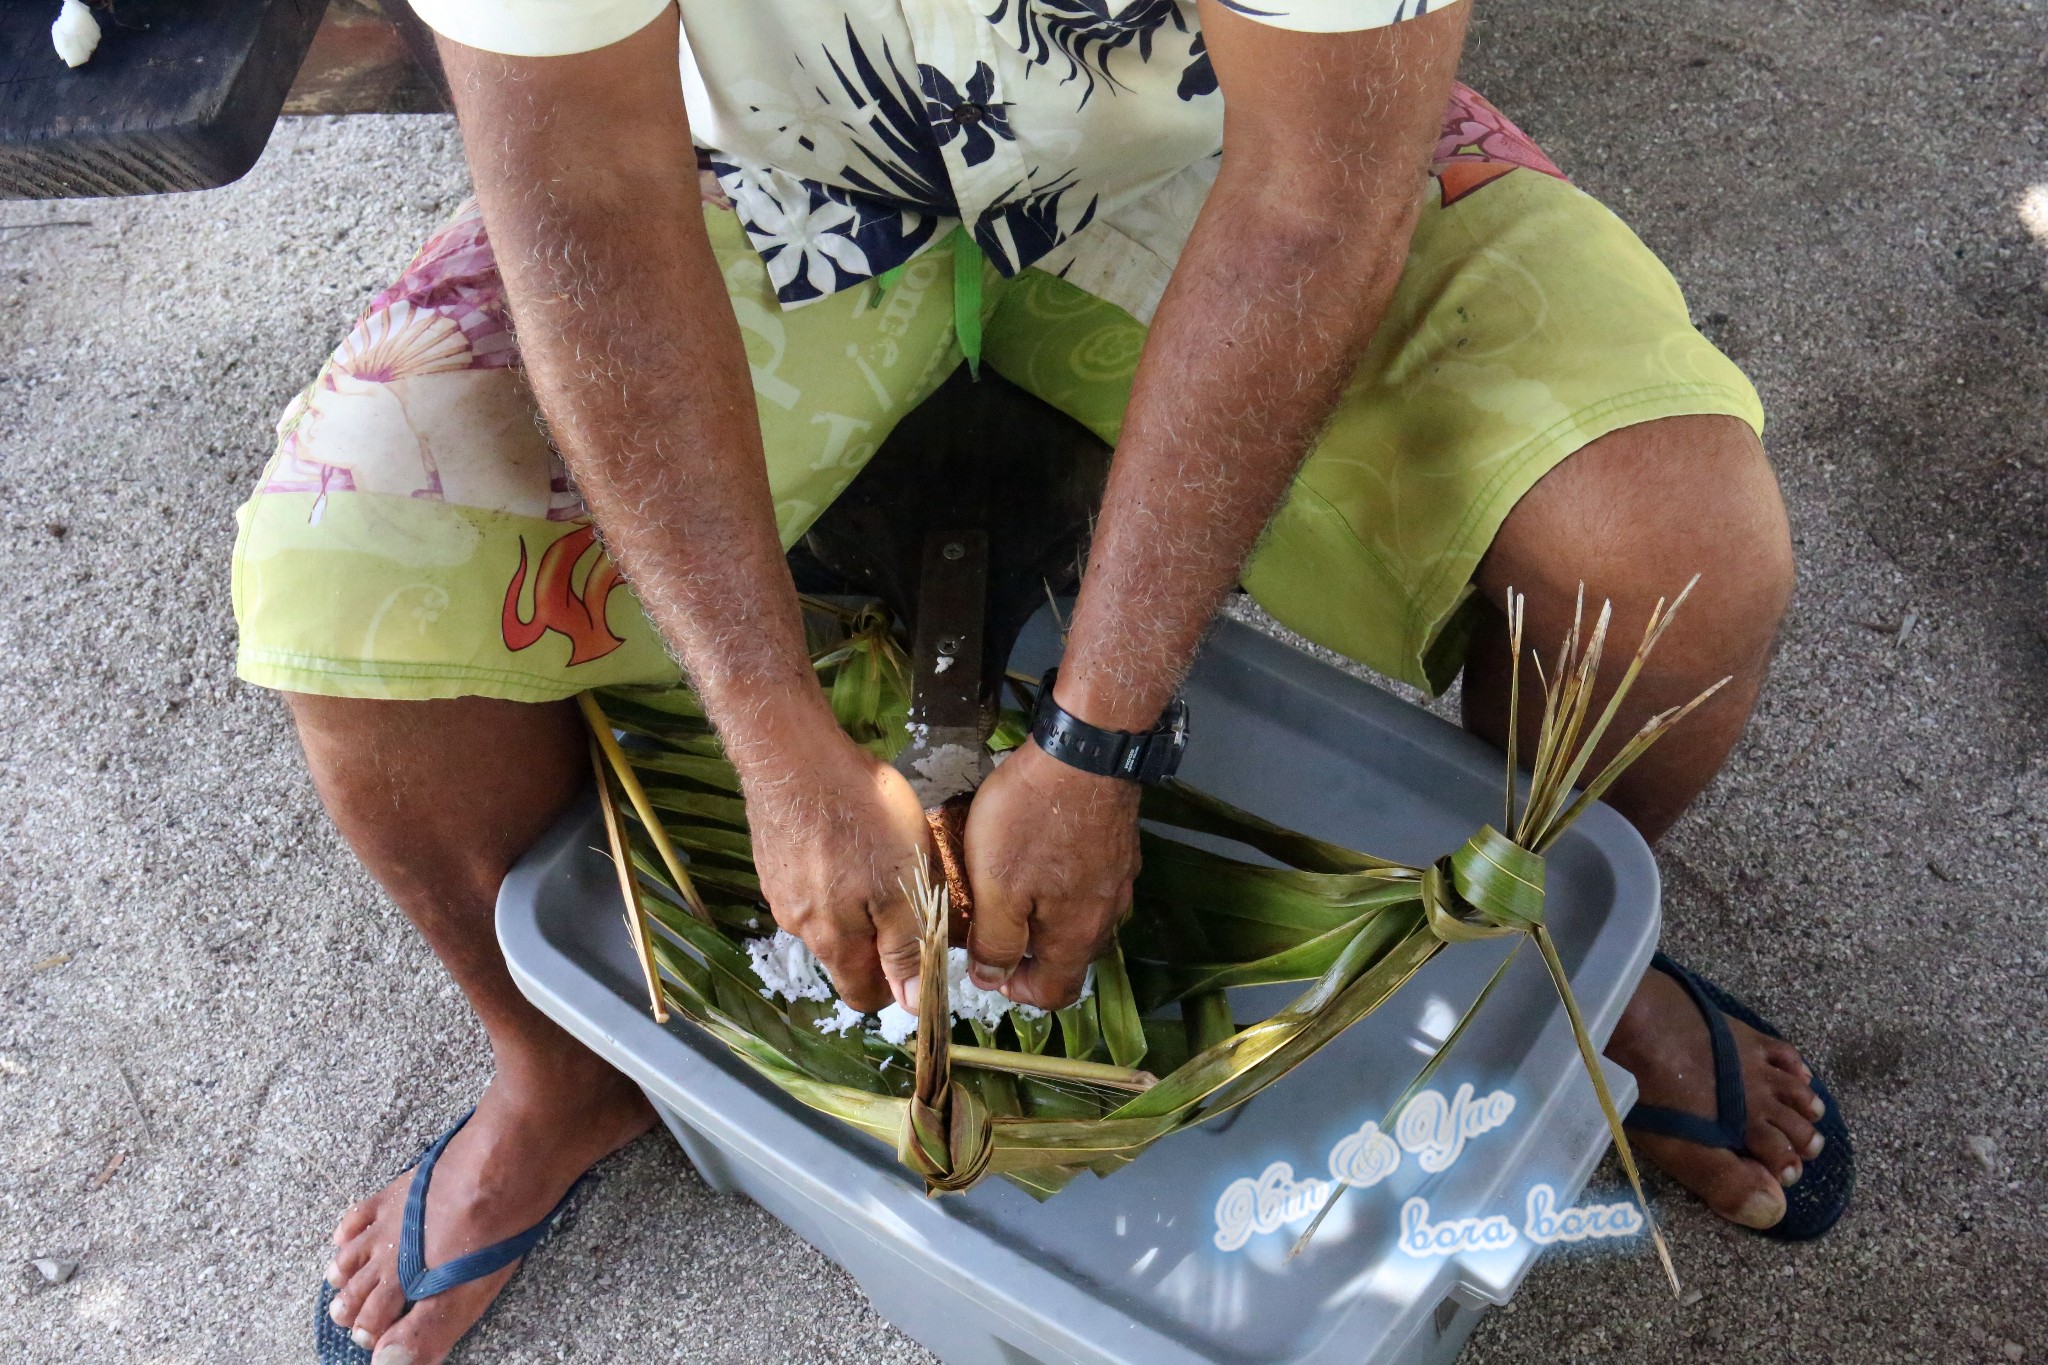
<point x="1153" y="1048"/>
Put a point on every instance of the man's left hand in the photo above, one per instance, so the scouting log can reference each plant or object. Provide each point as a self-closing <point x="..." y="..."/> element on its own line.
<point x="1051" y="854"/>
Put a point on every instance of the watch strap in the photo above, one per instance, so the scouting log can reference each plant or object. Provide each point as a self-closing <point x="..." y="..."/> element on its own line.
<point x="1135" y="756"/>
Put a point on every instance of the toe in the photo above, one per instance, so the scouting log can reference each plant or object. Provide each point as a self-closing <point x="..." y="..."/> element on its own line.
<point x="349" y="1300"/>
<point x="380" y="1309"/>
<point x="355" y="1222"/>
<point x="1799" y="1097"/>
<point x="1740" y="1190"/>
<point x="1736" y="1188"/>
<point x="1770" y="1146"/>
<point x="425" y="1335"/>
<point x="1811" y="1105"/>
<point x="1799" y="1132"/>
<point x="347" y="1261"/>
<point x="1745" y="1193"/>
<point x="1786" y="1058"/>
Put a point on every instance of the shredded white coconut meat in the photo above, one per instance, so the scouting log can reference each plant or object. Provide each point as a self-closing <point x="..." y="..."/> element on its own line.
<point x="896" y="1024"/>
<point x="845" y="1018"/>
<point x="787" y="968"/>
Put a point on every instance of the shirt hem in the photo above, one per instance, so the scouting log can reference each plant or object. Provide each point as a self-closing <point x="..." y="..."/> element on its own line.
<point x="527" y="29"/>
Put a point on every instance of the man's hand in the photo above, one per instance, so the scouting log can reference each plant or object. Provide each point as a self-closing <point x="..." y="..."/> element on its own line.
<point x="1051" y="853"/>
<point x="838" y="836"/>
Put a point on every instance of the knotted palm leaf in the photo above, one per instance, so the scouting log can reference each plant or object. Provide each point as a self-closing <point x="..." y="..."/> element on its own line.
<point x="1040" y="1098"/>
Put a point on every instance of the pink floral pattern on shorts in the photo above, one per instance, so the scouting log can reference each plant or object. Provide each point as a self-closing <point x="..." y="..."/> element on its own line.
<point x="1479" y="145"/>
<point x="421" y="399"/>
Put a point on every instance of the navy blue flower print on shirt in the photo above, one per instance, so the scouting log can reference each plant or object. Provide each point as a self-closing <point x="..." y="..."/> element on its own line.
<point x="1198" y="77"/>
<point x="1085" y="33"/>
<point x="975" y="116"/>
<point x="1019" y="230"/>
<point x="910" y="166"/>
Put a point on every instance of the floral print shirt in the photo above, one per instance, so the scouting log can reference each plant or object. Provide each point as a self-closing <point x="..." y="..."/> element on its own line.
<point x="1079" y="136"/>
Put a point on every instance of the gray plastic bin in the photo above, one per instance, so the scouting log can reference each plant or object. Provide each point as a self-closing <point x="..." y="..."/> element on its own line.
<point x="1126" y="1269"/>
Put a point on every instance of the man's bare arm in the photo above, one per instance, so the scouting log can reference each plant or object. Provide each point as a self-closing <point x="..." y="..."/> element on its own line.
<point x="1292" y="262"/>
<point x="588" y="181"/>
<point x="1327" y="139"/>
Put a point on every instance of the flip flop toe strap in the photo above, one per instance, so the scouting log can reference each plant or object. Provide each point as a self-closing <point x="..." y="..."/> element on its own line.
<point x="1729" y="1127"/>
<point x="415" y="1278"/>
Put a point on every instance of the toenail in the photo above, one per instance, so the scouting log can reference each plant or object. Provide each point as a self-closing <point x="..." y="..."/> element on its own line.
<point x="334" y="1274"/>
<point x="361" y="1338"/>
<point x="1813" y="1147"/>
<point x="1759" y="1211"/>
<point x="1789" y="1176"/>
<point x="338" y="1310"/>
<point x="392" y="1355"/>
<point x="1818" y="1109"/>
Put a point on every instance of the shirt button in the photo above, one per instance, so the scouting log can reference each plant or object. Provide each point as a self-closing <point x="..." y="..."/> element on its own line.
<point x="968" y="114"/>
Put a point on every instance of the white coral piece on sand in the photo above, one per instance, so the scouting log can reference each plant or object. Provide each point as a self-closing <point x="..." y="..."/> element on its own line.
<point x="75" y="34"/>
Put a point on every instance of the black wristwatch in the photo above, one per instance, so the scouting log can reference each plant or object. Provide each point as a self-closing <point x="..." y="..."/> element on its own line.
<point x="1151" y="756"/>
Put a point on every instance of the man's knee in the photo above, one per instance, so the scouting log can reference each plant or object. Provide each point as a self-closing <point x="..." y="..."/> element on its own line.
<point x="356" y="749"/>
<point x="1636" y="514"/>
<point x="441" y="797"/>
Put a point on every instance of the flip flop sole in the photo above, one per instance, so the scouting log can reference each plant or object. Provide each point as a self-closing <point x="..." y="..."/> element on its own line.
<point x="331" y="1342"/>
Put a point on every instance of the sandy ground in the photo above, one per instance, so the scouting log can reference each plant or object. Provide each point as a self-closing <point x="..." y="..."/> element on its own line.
<point x="214" y="1031"/>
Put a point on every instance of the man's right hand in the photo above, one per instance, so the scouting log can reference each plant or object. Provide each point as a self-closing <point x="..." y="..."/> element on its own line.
<point x="838" y="837"/>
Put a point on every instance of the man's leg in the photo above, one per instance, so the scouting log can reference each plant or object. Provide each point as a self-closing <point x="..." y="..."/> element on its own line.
<point x="360" y="570"/>
<point x="438" y="798"/>
<point x="1528" y="320"/>
<point x="1632" y="516"/>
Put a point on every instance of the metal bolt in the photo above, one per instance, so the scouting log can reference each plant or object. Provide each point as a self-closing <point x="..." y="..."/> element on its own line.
<point x="954" y="550"/>
<point x="949" y="646"/>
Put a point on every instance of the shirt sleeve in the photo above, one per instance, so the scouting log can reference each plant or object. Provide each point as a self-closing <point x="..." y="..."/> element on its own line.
<point x="1333" y="16"/>
<point x="538" y="28"/>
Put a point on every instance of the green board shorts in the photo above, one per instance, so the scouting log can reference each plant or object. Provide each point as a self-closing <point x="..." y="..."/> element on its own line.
<point x="415" y="537"/>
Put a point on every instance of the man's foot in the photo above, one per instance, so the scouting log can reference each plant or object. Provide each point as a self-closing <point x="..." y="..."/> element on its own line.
<point x="1663" y="1041"/>
<point x="533" y="1135"/>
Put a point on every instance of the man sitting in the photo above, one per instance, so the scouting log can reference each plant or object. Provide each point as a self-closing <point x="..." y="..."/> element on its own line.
<point x="1358" y="344"/>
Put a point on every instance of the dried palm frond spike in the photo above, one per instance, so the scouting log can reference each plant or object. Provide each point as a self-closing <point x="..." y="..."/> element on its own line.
<point x="629" y="888"/>
<point x="1040" y="1098"/>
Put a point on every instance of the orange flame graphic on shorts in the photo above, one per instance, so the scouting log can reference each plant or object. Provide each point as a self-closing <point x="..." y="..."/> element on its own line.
<point x="557" y="606"/>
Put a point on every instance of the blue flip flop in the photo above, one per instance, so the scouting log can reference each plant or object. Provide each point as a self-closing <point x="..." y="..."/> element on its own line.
<point x="1814" y="1204"/>
<point x="331" y="1341"/>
